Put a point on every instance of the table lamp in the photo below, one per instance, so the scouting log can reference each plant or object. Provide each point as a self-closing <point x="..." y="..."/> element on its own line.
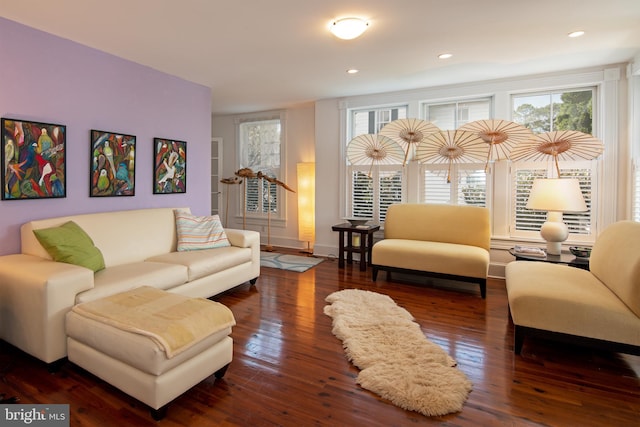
<point x="556" y="195"/>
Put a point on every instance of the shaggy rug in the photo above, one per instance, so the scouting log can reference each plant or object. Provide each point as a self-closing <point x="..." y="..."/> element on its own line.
<point x="396" y="361"/>
<point x="288" y="262"/>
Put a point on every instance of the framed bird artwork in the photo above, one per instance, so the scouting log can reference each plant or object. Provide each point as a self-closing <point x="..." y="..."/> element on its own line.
<point x="169" y="166"/>
<point x="113" y="164"/>
<point x="34" y="160"/>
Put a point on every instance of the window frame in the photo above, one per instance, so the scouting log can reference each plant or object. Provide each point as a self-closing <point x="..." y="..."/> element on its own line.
<point x="549" y="167"/>
<point x="376" y="170"/>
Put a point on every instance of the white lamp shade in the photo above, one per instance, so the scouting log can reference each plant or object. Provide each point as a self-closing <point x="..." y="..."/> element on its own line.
<point x="348" y="28"/>
<point x="556" y="195"/>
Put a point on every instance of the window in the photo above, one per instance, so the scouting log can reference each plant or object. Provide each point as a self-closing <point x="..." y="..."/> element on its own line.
<point x="260" y="148"/>
<point x="545" y="112"/>
<point x="372" y="191"/>
<point x="452" y="115"/>
<point x="468" y="182"/>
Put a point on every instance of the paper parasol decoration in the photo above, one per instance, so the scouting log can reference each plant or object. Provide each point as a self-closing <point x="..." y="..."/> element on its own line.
<point x="501" y="135"/>
<point x="561" y="145"/>
<point x="452" y="146"/>
<point x="374" y="149"/>
<point x="408" y="133"/>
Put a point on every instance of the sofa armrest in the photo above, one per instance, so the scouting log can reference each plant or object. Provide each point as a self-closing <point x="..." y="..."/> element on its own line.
<point x="242" y="238"/>
<point x="247" y="239"/>
<point x="36" y="294"/>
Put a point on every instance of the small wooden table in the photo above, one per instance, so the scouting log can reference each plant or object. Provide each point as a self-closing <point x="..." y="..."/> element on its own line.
<point x="563" y="258"/>
<point x="364" y="233"/>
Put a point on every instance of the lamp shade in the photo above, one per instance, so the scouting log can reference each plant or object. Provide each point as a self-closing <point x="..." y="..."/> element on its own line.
<point x="306" y="202"/>
<point x="556" y="195"/>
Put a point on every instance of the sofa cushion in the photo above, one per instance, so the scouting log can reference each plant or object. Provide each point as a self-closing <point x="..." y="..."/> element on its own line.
<point x="436" y="257"/>
<point x="120" y="278"/>
<point x="199" y="232"/>
<point x="206" y="262"/>
<point x="569" y="300"/>
<point x="69" y="243"/>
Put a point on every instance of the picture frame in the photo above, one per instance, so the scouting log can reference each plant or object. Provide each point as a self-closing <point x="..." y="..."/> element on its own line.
<point x="169" y="166"/>
<point x="34" y="160"/>
<point x="113" y="165"/>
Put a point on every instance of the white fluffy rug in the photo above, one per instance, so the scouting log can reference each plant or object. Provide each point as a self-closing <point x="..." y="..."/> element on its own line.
<point x="396" y="360"/>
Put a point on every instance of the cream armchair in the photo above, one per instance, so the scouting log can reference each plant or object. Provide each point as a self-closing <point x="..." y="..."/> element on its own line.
<point x="598" y="308"/>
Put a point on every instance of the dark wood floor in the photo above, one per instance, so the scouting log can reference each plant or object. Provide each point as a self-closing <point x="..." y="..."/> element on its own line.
<point x="289" y="370"/>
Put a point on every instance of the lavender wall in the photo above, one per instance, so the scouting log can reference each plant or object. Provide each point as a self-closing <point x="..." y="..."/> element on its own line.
<point x="49" y="79"/>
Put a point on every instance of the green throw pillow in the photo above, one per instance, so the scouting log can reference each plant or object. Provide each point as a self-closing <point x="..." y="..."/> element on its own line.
<point x="69" y="243"/>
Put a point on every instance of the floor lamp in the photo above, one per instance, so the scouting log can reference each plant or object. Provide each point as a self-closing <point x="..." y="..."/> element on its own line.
<point x="307" y="205"/>
<point x="556" y="195"/>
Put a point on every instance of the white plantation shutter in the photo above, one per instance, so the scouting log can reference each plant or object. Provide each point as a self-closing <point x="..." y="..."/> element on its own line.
<point x="527" y="219"/>
<point x="362" y="195"/>
<point x="580" y="222"/>
<point x="527" y="222"/>
<point x="390" y="191"/>
<point x="371" y="196"/>
<point x="468" y="185"/>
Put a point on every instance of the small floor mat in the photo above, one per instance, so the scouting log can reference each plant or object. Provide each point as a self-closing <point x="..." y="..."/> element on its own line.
<point x="288" y="262"/>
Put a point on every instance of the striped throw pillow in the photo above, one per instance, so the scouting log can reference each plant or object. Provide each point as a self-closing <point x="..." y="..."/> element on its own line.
<point x="199" y="232"/>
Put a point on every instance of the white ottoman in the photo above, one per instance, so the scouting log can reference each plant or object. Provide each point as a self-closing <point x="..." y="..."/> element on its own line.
<point x="136" y="362"/>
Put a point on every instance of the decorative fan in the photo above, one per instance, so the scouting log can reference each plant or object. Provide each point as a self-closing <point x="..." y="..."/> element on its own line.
<point x="501" y="135"/>
<point x="408" y="133"/>
<point x="452" y="146"/>
<point x="374" y="149"/>
<point x="561" y="145"/>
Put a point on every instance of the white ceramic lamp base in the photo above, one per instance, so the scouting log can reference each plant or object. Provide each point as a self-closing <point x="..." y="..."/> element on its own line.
<point x="554" y="231"/>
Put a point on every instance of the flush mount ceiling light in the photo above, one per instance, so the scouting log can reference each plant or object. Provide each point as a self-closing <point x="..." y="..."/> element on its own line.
<point x="353" y="71"/>
<point x="445" y="55"/>
<point x="348" y="28"/>
<point x="575" y="34"/>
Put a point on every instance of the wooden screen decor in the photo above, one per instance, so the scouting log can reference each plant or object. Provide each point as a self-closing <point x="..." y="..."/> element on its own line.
<point x="113" y="166"/>
<point x="170" y="166"/>
<point x="34" y="160"/>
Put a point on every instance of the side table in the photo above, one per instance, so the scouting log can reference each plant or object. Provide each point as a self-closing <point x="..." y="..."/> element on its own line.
<point x="364" y="233"/>
<point x="563" y="258"/>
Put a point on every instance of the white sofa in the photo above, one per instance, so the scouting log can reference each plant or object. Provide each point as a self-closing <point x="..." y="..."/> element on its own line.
<point x="139" y="248"/>
<point x="439" y="240"/>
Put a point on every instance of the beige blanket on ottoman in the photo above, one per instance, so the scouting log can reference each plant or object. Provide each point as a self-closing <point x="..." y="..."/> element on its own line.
<point x="175" y="322"/>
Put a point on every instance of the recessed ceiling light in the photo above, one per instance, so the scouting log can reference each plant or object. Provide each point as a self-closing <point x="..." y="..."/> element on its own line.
<point x="445" y="55"/>
<point x="348" y="28"/>
<point x="352" y="71"/>
<point x="574" y="34"/>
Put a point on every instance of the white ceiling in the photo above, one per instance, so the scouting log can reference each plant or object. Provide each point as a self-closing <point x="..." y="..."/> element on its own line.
<point x="258" y="55"/>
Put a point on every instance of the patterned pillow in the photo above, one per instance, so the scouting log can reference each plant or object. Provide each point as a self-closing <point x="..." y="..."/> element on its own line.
<point x="199" y="232"/>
